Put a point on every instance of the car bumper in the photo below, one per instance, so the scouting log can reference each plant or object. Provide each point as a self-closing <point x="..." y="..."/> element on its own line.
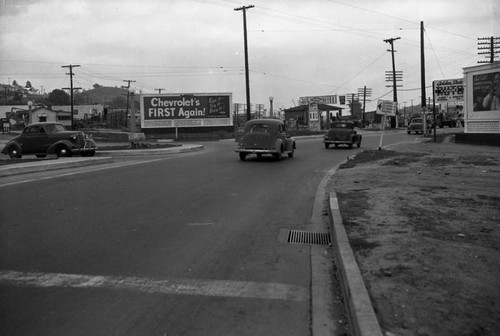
<point x="338" y="142"/>
<point x="257" y="151"/>
<point x="89" y="146"/>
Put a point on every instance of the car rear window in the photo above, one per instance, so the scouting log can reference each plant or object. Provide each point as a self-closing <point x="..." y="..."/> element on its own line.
<point x="339" y="125"/>
<point x="259" y="128"/>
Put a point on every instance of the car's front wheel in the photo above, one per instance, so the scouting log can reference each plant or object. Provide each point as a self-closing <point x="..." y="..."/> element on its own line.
<point x="243" y="156"/>
<point x="327" y="145"/>
<point x="290" y="155"/>
<point x="63" y="151"/>
<point x="14" y="153"/>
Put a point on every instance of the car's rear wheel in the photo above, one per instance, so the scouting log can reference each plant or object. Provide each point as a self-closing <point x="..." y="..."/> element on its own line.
<point x="290" y="155"/>
<point x="63" y="151"/>
<point x="327" y="145"/>
<point x="243" y="156"/>
<point x="14" y="153"/>
<point x="359" y="144"/>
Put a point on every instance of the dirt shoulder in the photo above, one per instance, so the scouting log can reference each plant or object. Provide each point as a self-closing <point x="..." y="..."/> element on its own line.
<point x="423" y="220"/>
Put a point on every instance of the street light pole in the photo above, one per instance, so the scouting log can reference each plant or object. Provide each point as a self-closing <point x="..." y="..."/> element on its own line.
<point x="247" y="78"/>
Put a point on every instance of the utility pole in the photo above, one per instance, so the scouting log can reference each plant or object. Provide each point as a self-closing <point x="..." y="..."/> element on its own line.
<point x="128" y="81"/>
<point x="489" y="46"/>
<point x="365" y="92"/>
<point x="395" y="91"/>
<point x="422" y="83"/>
<point x="71" y="88"/>
<point x="247" y="78"/>
<point x="159" y="90"/>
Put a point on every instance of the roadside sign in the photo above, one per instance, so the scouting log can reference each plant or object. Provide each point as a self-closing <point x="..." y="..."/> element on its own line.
<point x="386" y="107"/>
<point x="449" y="90"/>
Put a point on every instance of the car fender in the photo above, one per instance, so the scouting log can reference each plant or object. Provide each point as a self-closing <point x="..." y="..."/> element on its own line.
<point x="11" y="144"/>
<point x="52" y="148"/>
<point x="278" y="144"/>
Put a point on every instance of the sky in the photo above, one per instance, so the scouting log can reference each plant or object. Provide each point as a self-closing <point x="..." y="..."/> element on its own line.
<point x="296" y="48"/>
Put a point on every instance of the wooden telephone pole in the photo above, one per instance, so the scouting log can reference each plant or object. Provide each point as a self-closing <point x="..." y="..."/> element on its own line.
<point x="394" y="88"/>
<point x="71" y="88"/>
<point x="247" y="78"/>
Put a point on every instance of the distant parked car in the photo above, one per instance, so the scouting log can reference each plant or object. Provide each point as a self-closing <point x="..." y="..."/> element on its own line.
<point x="416" y="125"/>
<point x="265" y="136"/>
<point x="342" y="133"/>
<point x="45" y="138"/>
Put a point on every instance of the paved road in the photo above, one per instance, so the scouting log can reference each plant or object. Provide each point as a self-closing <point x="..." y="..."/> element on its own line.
<point x="182" y="245"/>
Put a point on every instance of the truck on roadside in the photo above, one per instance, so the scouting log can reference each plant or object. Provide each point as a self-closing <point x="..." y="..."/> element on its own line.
<point x="450" y="117"/>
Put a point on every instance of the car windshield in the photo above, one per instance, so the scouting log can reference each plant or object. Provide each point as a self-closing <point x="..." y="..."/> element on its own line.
<point x="259" y="128"/>
<point x="54" y="128"/>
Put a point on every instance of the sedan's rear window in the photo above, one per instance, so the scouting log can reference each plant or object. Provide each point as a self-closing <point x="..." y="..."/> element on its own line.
<point x="259" y="128"/>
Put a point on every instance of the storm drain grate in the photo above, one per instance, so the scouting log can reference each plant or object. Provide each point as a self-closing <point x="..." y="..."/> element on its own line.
<point x="305" y="237"/>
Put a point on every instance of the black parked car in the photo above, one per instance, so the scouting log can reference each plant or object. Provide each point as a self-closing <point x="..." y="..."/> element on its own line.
<point x="45" y="138"/>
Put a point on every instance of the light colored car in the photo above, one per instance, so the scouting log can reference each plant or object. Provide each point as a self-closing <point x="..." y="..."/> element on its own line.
<point x="45" y="138"/>
<point x="342" y="133"/>
<point x="416" y="125"/>
<point x="265" y="136"/>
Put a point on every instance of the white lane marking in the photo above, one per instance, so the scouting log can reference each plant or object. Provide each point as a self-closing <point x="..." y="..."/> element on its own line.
<point x="220" y="288"/>
<point x="200" y="224"/>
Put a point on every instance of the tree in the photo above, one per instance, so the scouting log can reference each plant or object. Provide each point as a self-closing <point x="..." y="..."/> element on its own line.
<point x="59" y="97"/>
<point x="119" y="102"/>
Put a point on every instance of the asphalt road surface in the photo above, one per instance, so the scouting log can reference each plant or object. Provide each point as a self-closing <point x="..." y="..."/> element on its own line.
<point x="180" y="245"/>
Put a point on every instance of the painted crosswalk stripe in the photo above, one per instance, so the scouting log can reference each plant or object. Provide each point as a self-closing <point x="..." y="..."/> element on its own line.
<point x="220" y="288"/>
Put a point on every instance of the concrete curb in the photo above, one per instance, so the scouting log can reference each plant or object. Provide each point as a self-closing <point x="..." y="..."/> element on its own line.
<point x="147" y="152"/>
<point x="100" y="158"/>
<point x="39" y="166"/>
<point x="362" y="318"/>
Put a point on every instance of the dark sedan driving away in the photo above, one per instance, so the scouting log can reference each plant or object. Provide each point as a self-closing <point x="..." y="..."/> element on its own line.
<point x="41" y="139"/>
<point x="342" y="133"/>
<point x="265" y="136"/>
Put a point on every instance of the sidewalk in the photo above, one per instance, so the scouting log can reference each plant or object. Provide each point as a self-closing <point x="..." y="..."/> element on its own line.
<point x="416" y="238"/>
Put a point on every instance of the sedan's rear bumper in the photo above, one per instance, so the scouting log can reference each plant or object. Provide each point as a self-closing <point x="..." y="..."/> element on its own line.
<point x="257" y="151"/>
<point x="338" y="142"/>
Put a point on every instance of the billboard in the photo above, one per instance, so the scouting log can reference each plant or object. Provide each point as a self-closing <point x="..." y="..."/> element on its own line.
<point x="186" y="110"/>
<point x="486" y="92"/>
<point x="448" y="90"/>
<point x="330" y="99"/>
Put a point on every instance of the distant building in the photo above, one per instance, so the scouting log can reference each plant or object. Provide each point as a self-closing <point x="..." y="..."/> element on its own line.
<point x="312" y="116"/>
<point x="82" y="112"/>
<point x="45" y="114"/>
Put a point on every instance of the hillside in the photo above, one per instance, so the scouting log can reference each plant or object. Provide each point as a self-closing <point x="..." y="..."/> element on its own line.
<point x="100" y="95"/>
